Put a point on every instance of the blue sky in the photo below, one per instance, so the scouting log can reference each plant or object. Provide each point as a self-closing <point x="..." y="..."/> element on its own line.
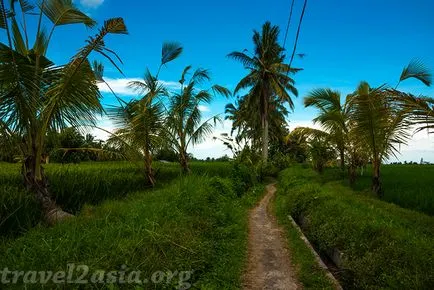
<point x="344" y="42"/>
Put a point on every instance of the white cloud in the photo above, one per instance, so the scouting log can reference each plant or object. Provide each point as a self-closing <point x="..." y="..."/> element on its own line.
<point x="91" y="3"/>
<point x="420" y="146"/>
<point x="203" y="108"/>
<point x="120" y="86"/>
<point x="210" y="147"/>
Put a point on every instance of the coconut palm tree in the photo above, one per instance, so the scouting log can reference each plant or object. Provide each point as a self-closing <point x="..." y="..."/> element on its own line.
<point x="332" y="116"/>
<point x="37" y="95"/>
<point x="382" y="117"/>
<point x="380" y="124"/>
<point x="142" y="121"/>
<point x="184" y="115"/>
<point x="267" y="79"/>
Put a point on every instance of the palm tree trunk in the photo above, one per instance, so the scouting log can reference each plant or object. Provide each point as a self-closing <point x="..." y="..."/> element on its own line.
<point x="149" y="171"/>
<point x="376" y="181"/>
<point x="265" y="140"/>
<point x="342" y="156"/>
<point x="183" y="160"/>
<point x="39" y="186"/>
<point x="352" y="174"/>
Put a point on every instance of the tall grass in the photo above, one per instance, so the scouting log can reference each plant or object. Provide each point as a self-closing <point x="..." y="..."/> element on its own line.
<point x="192" y="223"/>
<point x="74" y="185"/>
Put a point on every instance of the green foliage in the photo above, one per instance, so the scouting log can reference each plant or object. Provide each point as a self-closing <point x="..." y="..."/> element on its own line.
<point x="189" y="224"/>
<point x="262" y="109"/>
<point x="409" y="186"/>
<point x="308" y="271"/>
<point x="382" y="245"/>
<point x="73" y="186"/>
<point x="320" y="153"/>
<point x="266" y="169"/>
<point x="281" y="160"/>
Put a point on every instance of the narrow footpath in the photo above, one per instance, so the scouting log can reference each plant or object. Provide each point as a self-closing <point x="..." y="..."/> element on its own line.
<point x="269" y="265"/>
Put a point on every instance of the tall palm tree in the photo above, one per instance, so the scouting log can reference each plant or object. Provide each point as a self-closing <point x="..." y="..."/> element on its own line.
<point x="185" y="117"/>
<point x="38" y="96"/>
<point x="333" y="117"/>
<point x="267" y="79"/>
<point x="142" y="121"/>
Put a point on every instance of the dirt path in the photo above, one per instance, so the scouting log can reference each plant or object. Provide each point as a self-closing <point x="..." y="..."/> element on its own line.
<point x="269" y="266"/>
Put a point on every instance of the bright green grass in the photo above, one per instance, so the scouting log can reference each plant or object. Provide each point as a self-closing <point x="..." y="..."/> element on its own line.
<point x="74" y="185"/>
<point x="308" y="272"/>
<point x="409" y="186"/>
<point x="384" y="246"/>
<point x="188" y="224"/>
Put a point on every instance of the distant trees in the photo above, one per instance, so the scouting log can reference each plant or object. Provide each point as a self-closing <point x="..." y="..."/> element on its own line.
<point x="36" y="95"/>
<point x="268" y="82"/>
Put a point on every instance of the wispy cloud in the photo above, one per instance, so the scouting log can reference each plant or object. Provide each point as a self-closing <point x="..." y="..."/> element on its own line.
<point x="120" y="86"/>
<point x="91" y="3"/>
<point x="203" y="108"/>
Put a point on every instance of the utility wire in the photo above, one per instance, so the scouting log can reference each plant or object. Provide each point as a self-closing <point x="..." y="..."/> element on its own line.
<point x="298" y="32"/>
<point x="289" y="22"/>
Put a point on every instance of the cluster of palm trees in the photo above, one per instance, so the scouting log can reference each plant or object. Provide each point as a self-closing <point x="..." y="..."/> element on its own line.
<point x="37" y="97"/>
<point x="371" y="124"/>
<point x="160" y="116"/>
<point x="260" y="113"/>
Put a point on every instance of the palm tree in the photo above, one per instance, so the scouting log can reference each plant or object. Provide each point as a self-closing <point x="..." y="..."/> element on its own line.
<point x="380" y="125"/>
<point x="267" y="79"/>
<point x="333" y="117"/>
<point x="382" y="117"/>
<point x="141" y="125"/>
<point x="141" y="122"/>
<point x="184" y="116"/>
<point x="37" y="96"/>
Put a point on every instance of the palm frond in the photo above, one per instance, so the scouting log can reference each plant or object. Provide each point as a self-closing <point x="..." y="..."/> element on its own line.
<point x="417" y="69"/>
<point x="170" y="51"/>
<point x="63" y="12"/>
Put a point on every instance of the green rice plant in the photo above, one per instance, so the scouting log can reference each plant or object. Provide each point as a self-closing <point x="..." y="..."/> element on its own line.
<point x="381" y="245"/>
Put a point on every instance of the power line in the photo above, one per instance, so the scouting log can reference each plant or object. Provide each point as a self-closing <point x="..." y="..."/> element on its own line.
<point x="298" y="32"/>
<point x="289" y="21"/>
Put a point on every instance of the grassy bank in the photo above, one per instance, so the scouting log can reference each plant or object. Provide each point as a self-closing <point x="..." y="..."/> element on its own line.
<point x="382" y="245"/>
<point x="309" y="273"/>
<point x="74" y="185"/>
<point x="195" y="223"/>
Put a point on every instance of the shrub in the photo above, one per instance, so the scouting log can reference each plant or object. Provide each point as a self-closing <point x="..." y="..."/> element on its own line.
<point x="281" y="161"/>
<point x="266" y="170"/>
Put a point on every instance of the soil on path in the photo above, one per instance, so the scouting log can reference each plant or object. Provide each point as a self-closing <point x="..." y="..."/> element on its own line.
<point x="269" y="265"/>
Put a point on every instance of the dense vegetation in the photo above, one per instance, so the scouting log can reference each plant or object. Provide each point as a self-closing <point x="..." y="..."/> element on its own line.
<point x="150" y="215"/>
<point x="192" y="223"/>
<point x="375" y="244"/>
